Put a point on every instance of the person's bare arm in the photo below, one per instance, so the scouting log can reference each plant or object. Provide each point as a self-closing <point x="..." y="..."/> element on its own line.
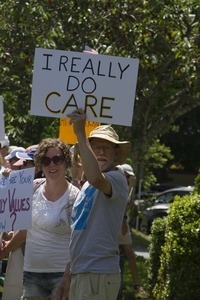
<point x="124" y="227"/>
<point x="16" y="242"/>
<point x="89" y="162"/>
<point x="63" y="290"/>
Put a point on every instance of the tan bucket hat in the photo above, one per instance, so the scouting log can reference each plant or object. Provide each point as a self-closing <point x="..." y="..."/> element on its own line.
<point x="106" y="132"/>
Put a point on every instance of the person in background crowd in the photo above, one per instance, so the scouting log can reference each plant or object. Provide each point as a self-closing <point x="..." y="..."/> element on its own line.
<point x="47" y="242"/>
<point x="76" y="169"/>
<point x="125" y="240"/>
<point x="1" y="164"/>
<point x="12" y="158"/>
<point x="97" y="215"/>
<point x="1" y="171"/>
<point x="4" y="148"/>
<point x="13" y="282"/>
<point x="26" y="160"/>
<point x="5" y="172"/>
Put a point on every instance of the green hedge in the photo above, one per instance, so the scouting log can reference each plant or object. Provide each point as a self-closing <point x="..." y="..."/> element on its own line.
<point x="175" y="252"/>
<point x="155" y="250"/>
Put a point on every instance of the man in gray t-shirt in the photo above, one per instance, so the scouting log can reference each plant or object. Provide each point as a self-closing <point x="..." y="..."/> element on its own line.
<point x="97" y="214"/>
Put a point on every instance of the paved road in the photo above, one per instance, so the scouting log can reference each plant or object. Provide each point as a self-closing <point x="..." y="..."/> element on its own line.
<point x="140" y="251"/>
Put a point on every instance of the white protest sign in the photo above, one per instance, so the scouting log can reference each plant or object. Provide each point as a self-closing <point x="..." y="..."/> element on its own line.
<point x="104" y="86"/>
<point x="16" y="193"/>
<point x="2" y="129"/>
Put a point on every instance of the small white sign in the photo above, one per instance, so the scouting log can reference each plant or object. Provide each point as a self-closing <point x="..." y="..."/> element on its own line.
<point x="2" y="128"/>
<point x="16" y="192"/>
<point x="104" y="86"/>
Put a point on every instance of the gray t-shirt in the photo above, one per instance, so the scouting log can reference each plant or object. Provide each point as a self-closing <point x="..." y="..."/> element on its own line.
<point x="96" y="224"/>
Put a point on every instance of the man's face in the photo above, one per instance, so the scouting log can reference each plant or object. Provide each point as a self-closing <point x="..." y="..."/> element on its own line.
<point x="105" y="152"/>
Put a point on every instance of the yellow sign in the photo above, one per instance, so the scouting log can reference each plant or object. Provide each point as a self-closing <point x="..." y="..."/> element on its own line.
<point x="66" y="133"/>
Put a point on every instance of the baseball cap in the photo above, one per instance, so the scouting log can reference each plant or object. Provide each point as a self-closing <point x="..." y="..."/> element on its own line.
<point x="26" y="155"/>
<point x="127" y="169"/>
<point x="13" y="152"/>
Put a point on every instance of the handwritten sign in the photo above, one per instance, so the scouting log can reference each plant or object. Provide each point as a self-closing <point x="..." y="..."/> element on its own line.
<point x="66" y="133"/>
<point x="2" y="129"/>
<point x="104" y="86"/>
<point x="16" y="200"/>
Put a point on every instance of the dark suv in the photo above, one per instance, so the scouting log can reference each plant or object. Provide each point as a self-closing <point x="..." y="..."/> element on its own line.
<point x="160" y="209"/>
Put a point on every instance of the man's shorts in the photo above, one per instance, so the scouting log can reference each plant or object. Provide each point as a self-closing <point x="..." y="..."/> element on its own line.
<point x="94" y="286"/>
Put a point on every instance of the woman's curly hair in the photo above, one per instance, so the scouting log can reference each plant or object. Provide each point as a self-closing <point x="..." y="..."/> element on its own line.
<point x="48" y="143"/>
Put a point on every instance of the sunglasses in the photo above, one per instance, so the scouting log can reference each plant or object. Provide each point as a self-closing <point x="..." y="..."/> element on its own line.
<point x="57" y="160"/>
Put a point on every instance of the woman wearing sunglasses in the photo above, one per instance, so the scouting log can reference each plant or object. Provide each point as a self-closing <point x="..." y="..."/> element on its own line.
<point x="47" y="242"/>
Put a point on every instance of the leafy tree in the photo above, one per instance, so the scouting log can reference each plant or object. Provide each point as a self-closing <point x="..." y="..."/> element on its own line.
<point x="185" y="131"/>
<point x="164" y="35"/>
<point x="155" y="158"/>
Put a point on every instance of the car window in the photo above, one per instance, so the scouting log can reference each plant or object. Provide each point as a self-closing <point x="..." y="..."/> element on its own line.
<point x="169" y="197"/>
<point x="166" y="198"/>
<point x="179" y="193"/>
